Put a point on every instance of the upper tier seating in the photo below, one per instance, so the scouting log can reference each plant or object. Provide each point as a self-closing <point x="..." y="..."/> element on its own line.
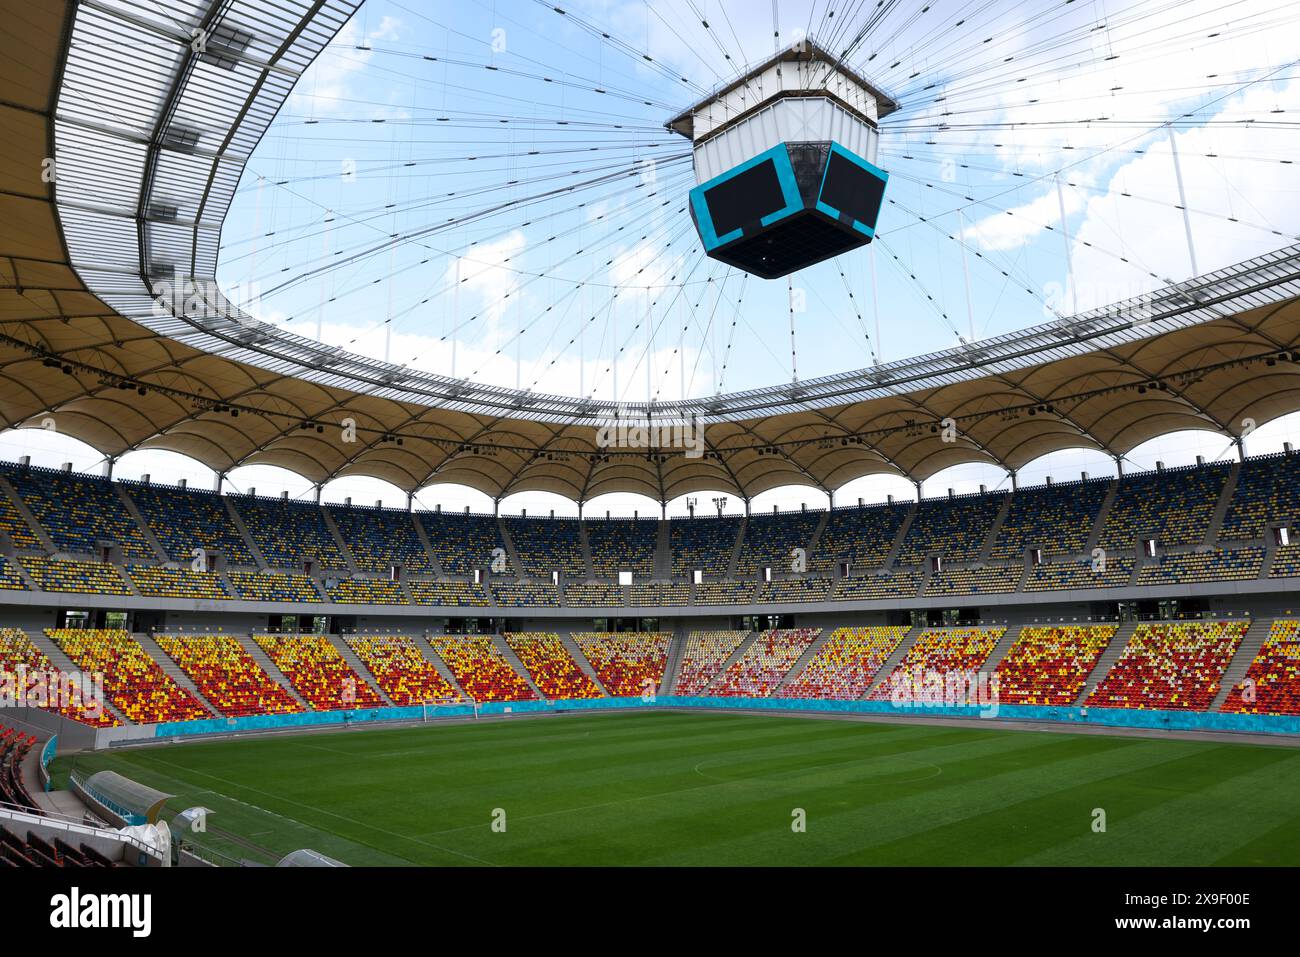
<point x="525" y="594"/>
<point x="318" y="672"/>
<point x="628" y="665"/>
<point x="481" y="669"/>
<point x="725" y="593"/>
<point x="455" y="594"/>
<point x="662" y="594"/>
<point x="1286" y="562"/>
<point x="1217" y="564"/>
<point x="703" y="543"/>
<point x="365" y="591"/>
<point x="78" y="511"/>
<point x="289" y="533"/>
<point x="380" y="538"/>
<point x="551" y="666"/>
<point x="1115" y="572"/>
<point x="1170" y="665"/>
<point x="953" y="527"/>
<point x="1056" y="518"/>
<point x="154" y="581"/>
<point x="1048" y="665"/>
<point x="941" y="651"/>
<point x="795" y="589"/>
<point x="622" y="545"/>
<point x="845" y="664"/>
<point x="9" y="577"/>
<point x="593" y="594"/>
<point x="463" y="544"/>
<point x="771" y="541"/>
<point x="765" y="663"/>
<point x="1267" y="493"/>
<point x="17" y="651"/>
<point x="15" y="526"/>
<point x="705" y="654"/>
<point x="989" y="580"/>
<point x="861" y="536"/>
<point x="404" y="674"/>
<point x="273" y="586"/>
<point x="82" y="578"/>
<point x="133" y="681"/>
<point x="878" y="587"/>
<point x="547" y="545"/>
<point x="1174" y="507"/>
<point x="183" y="520"/>
<point x="1272" y="683"/>
<point x="226" y="674"/>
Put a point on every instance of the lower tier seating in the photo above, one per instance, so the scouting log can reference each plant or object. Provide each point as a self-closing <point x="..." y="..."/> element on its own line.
<point x="766" y="661"/>
<point x="706" y="653"/>
<point x="18" y="656"/>
<point x="551" y="666"/>
<point x="627" y="665"/>
<point x="1272" y="682"/>
<point x="943" y="652"/>
<point x="1048" y="665"/>
<point x="845" y="664"/>
<point x="481" y="669"/>
<point x="402" y="672"/>
<point x="226" y="675"/>
<point x="318" y="672"/>
<point x="135" y="683"/>
<point x="1170" y="665"/>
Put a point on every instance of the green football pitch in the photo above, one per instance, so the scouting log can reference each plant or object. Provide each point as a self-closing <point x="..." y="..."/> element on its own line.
<point x="677" y="788"/>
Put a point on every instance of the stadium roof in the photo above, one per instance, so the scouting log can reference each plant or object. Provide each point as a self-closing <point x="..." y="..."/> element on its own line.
<point x="150" y="138"/>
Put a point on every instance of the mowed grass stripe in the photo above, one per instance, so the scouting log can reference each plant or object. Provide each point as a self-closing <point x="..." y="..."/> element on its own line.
<point x="709" y="788"/>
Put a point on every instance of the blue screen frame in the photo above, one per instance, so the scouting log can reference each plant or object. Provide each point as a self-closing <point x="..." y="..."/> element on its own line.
<point x="856" y="160"/>
<point x="780" y="158"/>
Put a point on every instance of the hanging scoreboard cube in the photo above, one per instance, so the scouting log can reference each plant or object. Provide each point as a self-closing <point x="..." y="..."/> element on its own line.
<point x="786" y="179"/>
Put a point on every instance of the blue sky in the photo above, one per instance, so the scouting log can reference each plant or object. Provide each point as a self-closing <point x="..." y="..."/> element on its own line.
<point x="390" y="209"/>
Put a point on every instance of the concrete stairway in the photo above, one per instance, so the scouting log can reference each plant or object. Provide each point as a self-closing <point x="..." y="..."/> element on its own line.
<point x="357" y="665"/>
<point x="673" y="667"/>
<point x="238" y="521"/>
<point x="427" y="545"/>
<point x="739" y="653"/>
<point x="896" y="545"/>
<point x="575" y="652"/>
<point x="797" y="668"/>
<point x="1107" y="660"/>
<point x="1102" y="514"/>
<point x="584" y="549"/>
<point x="512" y="659"/>
<point x="339" y="541"/>
<point x="159" y="551"/>
<point x="1251" y="642"/>
<point x="172" y="670"/>
<point x="734" y="558"/>
<point x="41" y="535"/>
<point x="439" y="665"/>
<point x="1222" y="506"/>
<point x="65" y="664"/>
<point x="987" y="546"/>
<point x="814" y="540"/>
<point x="263" y="661"/>
<point x="511" y="552"/>
<point x="664" y="552"/>
<point x="1002" y="647"/>
<point x="895" y="658"/>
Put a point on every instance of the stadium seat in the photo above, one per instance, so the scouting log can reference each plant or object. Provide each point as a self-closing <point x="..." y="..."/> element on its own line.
<point x="481" y="669"/>
<point x="134" y="683"/>
<point x="627" y="664"/>
<point x="17" y="652"/>
<point x="1171" y="666"/>
<point x="318" y="672"/>
<point x="845" y="664"/>
<point x="943" y="652"/>
<point x="554" y="671"/>
<point x="706" y="653"/>
<point x="226" y="675"/>
<point x="402" y="672"/>
<point x="764" y="664"/>
<point x="622" y="545"/>
<point x="1048" y="665"/>
<point x="1272" y="682"/>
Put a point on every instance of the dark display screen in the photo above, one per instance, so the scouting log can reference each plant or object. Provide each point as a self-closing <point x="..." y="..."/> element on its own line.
<point x="853" y="190"/>
<point x="745" y="198"/>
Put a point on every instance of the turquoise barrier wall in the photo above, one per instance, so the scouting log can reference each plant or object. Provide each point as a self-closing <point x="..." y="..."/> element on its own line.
<point x="1104" y="717"/>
